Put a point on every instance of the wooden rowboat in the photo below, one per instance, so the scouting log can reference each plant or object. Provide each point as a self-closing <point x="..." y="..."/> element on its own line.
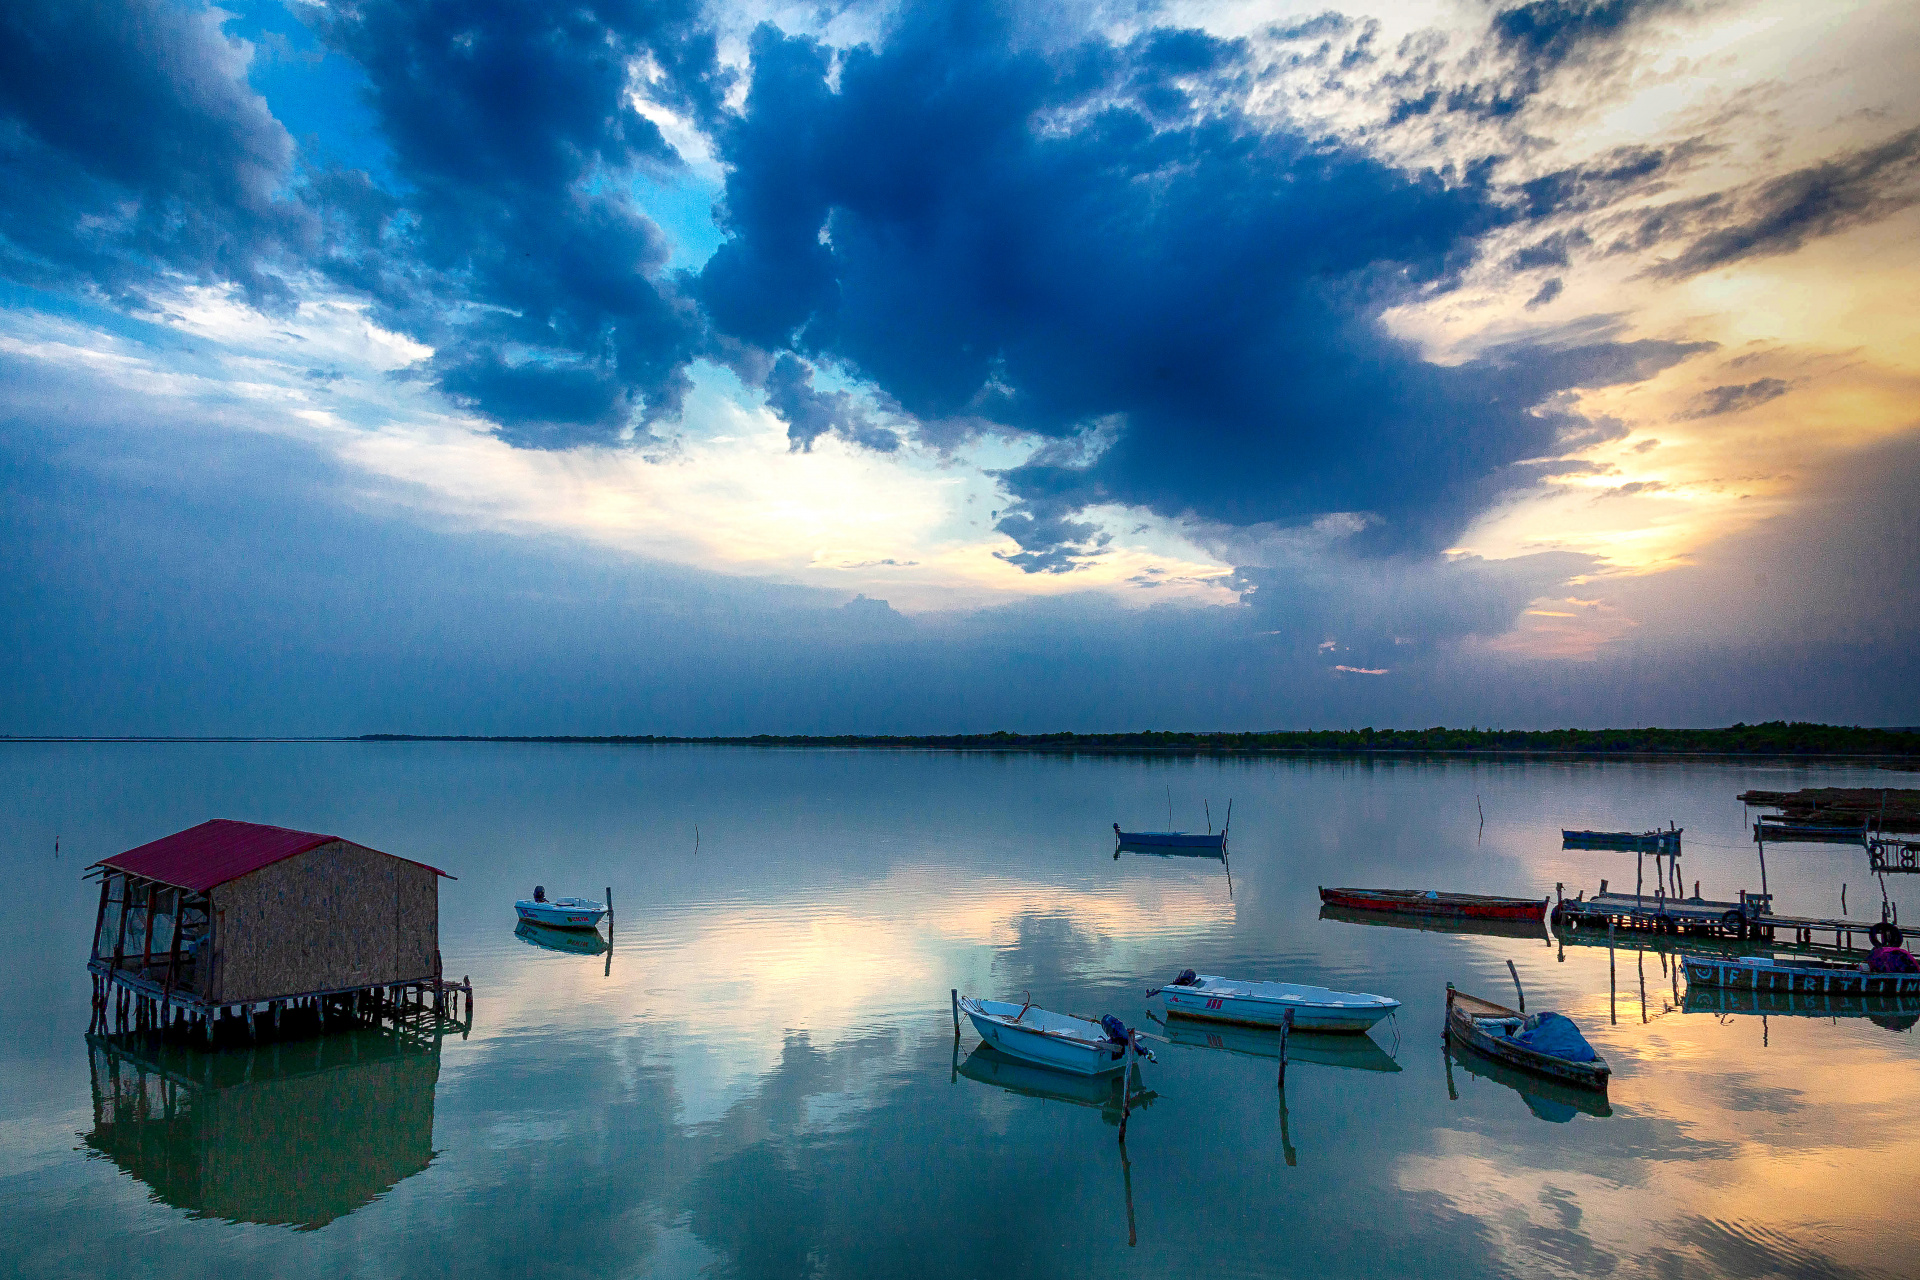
<point x="1429" y="903"/>
<point x="1486" y="1026"/>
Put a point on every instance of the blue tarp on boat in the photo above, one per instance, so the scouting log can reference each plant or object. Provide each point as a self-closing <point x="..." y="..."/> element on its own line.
<point x="1555" y="1034"/>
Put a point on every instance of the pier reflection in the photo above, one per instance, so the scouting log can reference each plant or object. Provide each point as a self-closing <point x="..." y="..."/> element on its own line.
<point x="296" y="1133"/>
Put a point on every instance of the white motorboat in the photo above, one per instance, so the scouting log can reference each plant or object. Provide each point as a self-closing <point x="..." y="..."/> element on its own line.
<point x="560" y="913"/>
<point x="1065" y="1042"/>
<point x="1265" y="1004"/>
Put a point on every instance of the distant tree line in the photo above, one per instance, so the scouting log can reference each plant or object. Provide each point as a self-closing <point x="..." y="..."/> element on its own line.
<point x="1774" y="738"/>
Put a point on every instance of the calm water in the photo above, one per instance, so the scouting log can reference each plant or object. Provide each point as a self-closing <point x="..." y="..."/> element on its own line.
<point x="766" y="1084"/>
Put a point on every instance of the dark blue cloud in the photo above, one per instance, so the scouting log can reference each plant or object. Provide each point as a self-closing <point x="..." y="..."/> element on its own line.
<point x="1049" y="239"/>
<point x="130" y="143"/>
<point x="514" y="242"/>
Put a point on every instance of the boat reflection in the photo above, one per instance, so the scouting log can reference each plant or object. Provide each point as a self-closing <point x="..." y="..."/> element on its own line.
<point x="294" y="1133"/>
<point x="1535" y="929"/>
<point x="1895" y="1013"/>
<point x="988" y="1065"/>
<point x="579" y="942"/>
<point x="1360" y="1053"/>
<point x="1548" y="1099"/>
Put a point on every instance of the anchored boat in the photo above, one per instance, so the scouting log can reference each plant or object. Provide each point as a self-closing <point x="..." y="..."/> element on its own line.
<point x="1547" y="1043"/>
<point x="1190" y="842"/>
<point x="1762" y="973"/>
<point x="1426" y="902"/>
<point x="560" y="913"/>
<point x="1063" y="1041"/>
<point x="1655" y="841"/>
<point x="1212" y="998"/>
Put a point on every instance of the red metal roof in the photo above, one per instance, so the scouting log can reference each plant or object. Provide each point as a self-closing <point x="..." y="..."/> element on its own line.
<point x="219" y="850"/>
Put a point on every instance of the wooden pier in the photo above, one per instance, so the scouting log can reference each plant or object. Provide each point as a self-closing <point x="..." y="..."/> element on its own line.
<point x="1748" y="918"/>
<point x="1882" y="809"/>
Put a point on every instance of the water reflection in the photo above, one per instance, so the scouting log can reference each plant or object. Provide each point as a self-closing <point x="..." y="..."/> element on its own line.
<point x="296" y="1133"/>
<point x="1895" y="1013"/>
<point x="579" y="942"/>
<point x="1534" y="929"/>
<point x="1358" y="1053"/>
<point x="1550" y="1100"/>
<point x="988" y="1065"/>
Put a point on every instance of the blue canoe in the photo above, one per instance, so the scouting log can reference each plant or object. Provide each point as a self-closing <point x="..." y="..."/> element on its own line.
<point x="1215" y="842"/>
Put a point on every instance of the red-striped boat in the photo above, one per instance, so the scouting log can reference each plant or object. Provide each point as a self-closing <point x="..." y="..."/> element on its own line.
<point x="1418" y="902"/>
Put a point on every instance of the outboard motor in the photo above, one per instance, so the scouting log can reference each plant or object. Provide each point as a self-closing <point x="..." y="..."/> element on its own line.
<point x="1186" y="979"/>
<point x="1116" y="1030"/>
<point x="539" y="893"/>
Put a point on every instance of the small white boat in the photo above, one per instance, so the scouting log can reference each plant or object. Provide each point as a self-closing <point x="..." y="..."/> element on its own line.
<point x="561" y="913"/>
<point x="1265" y="1004"/>
<point x="1062" y="1041"/>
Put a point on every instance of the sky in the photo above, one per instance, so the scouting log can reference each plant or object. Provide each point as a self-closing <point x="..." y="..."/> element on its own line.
<point x="641" y="367"/>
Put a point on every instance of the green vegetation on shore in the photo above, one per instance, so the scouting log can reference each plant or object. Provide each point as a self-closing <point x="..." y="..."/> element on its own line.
<point x="1775" y="738"/>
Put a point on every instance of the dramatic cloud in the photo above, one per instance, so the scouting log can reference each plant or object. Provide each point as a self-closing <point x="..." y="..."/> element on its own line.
<point x="130" y="141"/>
<point x="519" y="249"/>
<point x="1051" y="239"/>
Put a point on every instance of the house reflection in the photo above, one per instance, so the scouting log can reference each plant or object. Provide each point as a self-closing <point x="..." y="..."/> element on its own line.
<point x="295" y="1133"/>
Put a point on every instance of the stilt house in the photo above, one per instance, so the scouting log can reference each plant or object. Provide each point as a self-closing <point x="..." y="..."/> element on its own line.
<point x="237" y="915"/>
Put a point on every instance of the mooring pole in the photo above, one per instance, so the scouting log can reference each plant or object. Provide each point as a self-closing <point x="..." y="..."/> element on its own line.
<point x="1613" y="1012"/>
<point x="953" y="994"/>
<point x="1516" y="987"/>
<point x="1286" y="1032"/>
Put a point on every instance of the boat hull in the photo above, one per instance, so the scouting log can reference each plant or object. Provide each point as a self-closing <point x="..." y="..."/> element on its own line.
<point x="1461" y="1029"/>
<point x="1077" y="1057"/>
<point x="1465" y="906"/>
<point x="1623" y="841"/>
<point x="1173" y="840"/>
<point x="1243" y="1011"/>
<point x="555" y="916"/>
<point x="1356" y="1052"/>
<point x="1745" y="974"/>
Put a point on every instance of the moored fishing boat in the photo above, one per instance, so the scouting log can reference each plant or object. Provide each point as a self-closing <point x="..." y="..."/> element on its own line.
<point x="1548" y="1043"/>
<point x="1655" y="841"/>
<point x="1063" y="1041"/>
<point x="561" y="913"/>
<point x="1763" y="973"/>
<point x="1430" y="903"/>
<point x="1212" y="998"/>
<point x="1172" y="841"/>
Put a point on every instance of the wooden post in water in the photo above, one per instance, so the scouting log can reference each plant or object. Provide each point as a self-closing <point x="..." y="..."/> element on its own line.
<point x="1613" y="1012"/>
<point x="1286" y="1032"/>
<point x="953" y="994"/>
<point x="1516" y="987"/>
<point x="607" y="970"/>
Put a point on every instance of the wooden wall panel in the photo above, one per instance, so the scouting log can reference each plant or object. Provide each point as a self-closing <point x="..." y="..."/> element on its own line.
<point x="336" y="917"/>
